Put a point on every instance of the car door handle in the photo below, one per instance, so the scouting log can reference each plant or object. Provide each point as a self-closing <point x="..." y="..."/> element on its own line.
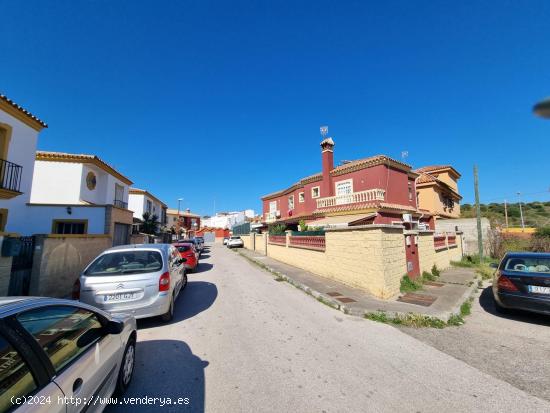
<point x="77" y="385"/>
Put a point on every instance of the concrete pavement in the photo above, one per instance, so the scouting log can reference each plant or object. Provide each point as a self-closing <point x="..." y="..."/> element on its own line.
<point x="242" y="341"/>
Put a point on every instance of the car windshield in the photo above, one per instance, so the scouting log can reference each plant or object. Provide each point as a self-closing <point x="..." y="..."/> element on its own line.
<point x="125" y="262"/>
<point x="528" y="264"/>
<point x="235" y="237"/>
<point x="183" y="248"/>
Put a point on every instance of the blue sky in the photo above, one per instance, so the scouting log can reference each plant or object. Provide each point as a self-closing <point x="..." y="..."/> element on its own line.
<point x="221" y="102"/>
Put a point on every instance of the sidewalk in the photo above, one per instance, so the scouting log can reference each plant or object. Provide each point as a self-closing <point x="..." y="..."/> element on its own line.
<point x="439" y="300"/>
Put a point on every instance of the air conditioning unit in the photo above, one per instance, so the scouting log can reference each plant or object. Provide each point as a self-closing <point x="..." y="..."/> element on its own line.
<point x="407" y="218"/>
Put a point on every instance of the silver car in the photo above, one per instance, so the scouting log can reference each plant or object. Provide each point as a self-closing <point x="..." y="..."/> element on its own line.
<point x="62" y="356"/>
<point x="143" y="280"/>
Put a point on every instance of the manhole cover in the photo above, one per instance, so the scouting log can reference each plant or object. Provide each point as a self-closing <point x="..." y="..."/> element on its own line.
<point x="345" y="300"/>
<point x="418" y="299"/>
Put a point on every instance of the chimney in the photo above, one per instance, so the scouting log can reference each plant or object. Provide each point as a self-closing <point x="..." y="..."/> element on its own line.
<point x="327" y="154"/>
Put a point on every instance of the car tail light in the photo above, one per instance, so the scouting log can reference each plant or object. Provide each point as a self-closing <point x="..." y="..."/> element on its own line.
<point x="76" y="290"/>
<point x="504" y="283"/>
<point x="164" y="282"/>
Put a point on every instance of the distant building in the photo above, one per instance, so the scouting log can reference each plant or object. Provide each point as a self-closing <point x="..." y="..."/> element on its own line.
<point x="228" y="219"/>
<point x="141" y="201"/>
<point x="187" y="224"/>
<point x="437" y="191"/>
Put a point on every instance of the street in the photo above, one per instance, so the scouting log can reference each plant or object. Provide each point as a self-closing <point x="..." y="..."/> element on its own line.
<point x="241" y="341"/>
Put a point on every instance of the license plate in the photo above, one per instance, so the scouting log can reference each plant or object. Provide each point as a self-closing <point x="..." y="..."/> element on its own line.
<point x="119" y="296"/>
<point x="537" y="289"/>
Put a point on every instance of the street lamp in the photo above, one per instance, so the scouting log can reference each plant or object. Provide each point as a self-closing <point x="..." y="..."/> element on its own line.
<point x="178" y="219"/>
<point x="542" y="108"/>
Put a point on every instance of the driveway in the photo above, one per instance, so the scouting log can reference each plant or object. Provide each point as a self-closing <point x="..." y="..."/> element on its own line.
<point x="514" y="348"/>
<point x="241" y="341"/>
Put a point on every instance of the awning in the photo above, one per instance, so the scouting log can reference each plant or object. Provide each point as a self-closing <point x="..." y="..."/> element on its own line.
<point x="342" y="220"/>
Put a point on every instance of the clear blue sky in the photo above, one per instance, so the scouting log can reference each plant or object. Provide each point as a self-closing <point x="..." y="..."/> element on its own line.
<point x="223" y="100"/>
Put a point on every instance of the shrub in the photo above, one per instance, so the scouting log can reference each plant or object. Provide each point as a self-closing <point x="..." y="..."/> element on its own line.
<point x="303" y="226"/>
<point x="408" y="284"/>
<point x="427" y="276"/>
<point x="540" y="242"/>
<point x="435" y="271"/>
<point x="277" y="229"/>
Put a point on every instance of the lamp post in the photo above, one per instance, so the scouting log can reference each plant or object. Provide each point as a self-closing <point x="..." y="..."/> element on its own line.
<point x="521" y="211"/>
<point x="178" y="219"/>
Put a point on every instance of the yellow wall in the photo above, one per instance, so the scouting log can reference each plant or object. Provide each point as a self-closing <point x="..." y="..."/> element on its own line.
<point x="430" y="199"/>
<point x="442" y="258"/>
<point x="260" y="243"/>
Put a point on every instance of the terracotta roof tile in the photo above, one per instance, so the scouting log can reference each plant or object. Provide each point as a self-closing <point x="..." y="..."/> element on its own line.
<point x="22" y="110"/>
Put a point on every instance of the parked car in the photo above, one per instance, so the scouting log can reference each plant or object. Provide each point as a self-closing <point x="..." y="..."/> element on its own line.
<point x="187" y="251"/>
<point x="195" y="242"/>
<point x="143" y="280"/>
<point x="54" y="349"/>
<point x="522" y="281"/>
<point x="225" y="239"/>
<point x="235" y="242"/>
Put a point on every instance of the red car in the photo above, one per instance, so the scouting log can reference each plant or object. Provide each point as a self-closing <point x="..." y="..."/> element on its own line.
<point x="187" y="251"/>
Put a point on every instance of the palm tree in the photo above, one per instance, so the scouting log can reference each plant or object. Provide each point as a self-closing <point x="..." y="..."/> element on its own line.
<point x="150" y="223"/>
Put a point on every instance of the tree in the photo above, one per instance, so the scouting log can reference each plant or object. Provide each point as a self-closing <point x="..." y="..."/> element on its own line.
<point x="150" y="223"/>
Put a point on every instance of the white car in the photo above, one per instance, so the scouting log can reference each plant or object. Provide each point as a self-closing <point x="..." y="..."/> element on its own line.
<point x="235" y="242"/>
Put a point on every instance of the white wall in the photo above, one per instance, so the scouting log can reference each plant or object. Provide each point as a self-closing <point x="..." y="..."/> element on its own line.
<point x="138" y="204"/>
<point x="56" y="183"/>
<point x="22" y="149"/>
<point x="39" y="219"/>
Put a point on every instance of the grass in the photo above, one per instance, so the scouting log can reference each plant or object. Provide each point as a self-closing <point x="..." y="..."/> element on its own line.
<point x="409" y="285"/>
<point x="482" y="268"/>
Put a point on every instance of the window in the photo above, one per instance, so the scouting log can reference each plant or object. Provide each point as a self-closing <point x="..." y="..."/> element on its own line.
<point x="15" y="376"/>
<point x="64" y="226"/>
<point x="315" y="192"/>
<point x="301" y="197"/>
<point x="344" y="187"/>
<point x="273" y="206"/>
<point x="291" y="202"/>
<point x="126" y="263"/>
<point x="410" y="191"/>
<point x="149" y="206"/>
<point x="3" y="219"/>
<point x="64" y="332"/>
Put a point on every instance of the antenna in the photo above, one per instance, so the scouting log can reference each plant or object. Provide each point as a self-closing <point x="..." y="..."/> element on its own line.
<point x="404" y="155"/>
<point x="324" y="131"/>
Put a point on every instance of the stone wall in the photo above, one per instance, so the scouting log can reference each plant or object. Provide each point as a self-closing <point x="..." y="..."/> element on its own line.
<point x="5" y="274"/>
<point x="368" y="257"/>
<point x="59" y="260"/>
<point x="468" y="226"/>
<point x="441" y="257"/>
<point x="247" y="240"/>
<point x="260" y="242"/>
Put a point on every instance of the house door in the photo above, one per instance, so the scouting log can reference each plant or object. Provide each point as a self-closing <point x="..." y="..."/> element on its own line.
<point x="121" y="234"/>
<point x="21" y="268"/>
<point x="411" y="254"/>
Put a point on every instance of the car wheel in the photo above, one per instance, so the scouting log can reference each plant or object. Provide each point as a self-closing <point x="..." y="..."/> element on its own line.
<point x="502" y="310"/>
<point x="169" y="315"/>
<point x="127" y="367"/>
<point x="184" y="280"/>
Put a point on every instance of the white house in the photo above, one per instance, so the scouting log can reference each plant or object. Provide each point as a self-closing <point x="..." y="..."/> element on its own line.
<point x="228" y="219"/>
<point x="141" y="201"/>
<point x="78" y="194"/>
<point x="19" y="131"/>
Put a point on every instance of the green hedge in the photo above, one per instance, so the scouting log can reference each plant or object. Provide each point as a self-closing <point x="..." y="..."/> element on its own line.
<point x="307" y="233"/>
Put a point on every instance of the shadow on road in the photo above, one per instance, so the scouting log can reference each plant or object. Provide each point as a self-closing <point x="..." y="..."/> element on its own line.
<point x="197" y="297"/>
<point x="166" y="369"/>
<point x="204" y="256"/>
<point x="487" y="302"/>
<point x="203" y="267"/>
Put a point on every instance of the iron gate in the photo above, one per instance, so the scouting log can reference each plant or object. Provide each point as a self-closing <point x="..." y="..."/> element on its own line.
<point x="121" y="234"/>
<point x="21" y="268"/>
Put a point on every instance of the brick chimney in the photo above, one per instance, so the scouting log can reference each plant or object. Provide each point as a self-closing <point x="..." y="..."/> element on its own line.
<point x="327" y="154"/>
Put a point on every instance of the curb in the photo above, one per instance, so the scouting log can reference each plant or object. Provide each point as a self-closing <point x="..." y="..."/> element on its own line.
<point x="331" y="302"/>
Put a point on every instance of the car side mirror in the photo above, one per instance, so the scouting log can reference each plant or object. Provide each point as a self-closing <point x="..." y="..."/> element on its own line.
<point x="493" y="265"/>
<point x="182" y="260"/>
<point x="114" y="327"/>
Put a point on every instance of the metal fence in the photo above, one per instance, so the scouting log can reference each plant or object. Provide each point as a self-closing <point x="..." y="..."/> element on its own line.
<point x="243" y="229"/>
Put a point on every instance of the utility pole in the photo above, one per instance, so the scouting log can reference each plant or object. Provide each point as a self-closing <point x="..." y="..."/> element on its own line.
<point x="478" y="216"/>
<point x="521" y="211"/>
<point x="506" y="213"/>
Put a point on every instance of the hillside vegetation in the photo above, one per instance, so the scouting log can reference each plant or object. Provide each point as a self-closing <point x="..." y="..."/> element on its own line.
<point x="535" y="214"/>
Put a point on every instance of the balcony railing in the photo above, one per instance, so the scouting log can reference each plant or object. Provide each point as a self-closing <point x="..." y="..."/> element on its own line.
<point x="10" y="176"/>
<point x="312" y="242"/>
<point x="353" y="198"/>
<point x="120" y="204"/>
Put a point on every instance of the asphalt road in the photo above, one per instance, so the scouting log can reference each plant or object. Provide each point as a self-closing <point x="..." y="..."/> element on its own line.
<point x="242" y="341"/>
<point x="514" y="348"/>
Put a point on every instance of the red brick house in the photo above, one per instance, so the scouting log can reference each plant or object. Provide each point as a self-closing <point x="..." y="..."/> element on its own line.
<point x="374" y="190"/>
